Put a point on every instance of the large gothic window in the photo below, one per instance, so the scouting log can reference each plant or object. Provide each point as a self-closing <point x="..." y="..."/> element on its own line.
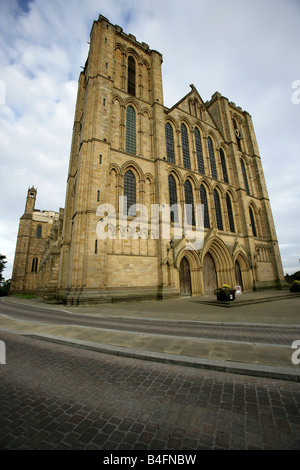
<point x="170" y="143"/>
<point x="173" y="198"/>
<point x="224" y="168"/>
<point x="130" y="130"/>
<point x="218" y="210"/>
<point x="245" y="176"/>
<point x="185" y="147"/>
<point x="212" y="159"/>
<point x="189" y="203"/>
<point x="230" y="213"/>
<point x="199" y="152"/>
<point x="129" y="191"/>
<point x="131" y="76"/>
<point x="252" y="222"/>
<point x="203" y="197"/>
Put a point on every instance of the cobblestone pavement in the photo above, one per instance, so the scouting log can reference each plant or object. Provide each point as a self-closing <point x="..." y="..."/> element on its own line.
<point x="59" y="397"/>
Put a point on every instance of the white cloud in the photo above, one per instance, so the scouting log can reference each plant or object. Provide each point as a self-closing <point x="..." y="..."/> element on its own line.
<point x="245" y="50"/>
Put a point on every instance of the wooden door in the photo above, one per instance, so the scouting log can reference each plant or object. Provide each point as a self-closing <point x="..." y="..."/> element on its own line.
<point x="185" y="278"/>
<point x="209" y="274"/>
<point x="238" y="275"/>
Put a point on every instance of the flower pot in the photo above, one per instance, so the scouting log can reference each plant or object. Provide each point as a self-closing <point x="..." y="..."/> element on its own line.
<point x="226" y="297"/>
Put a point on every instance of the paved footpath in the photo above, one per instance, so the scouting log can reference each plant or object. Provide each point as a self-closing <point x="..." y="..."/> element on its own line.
<point x="58" y="397"/>
<point x="254" y="335"/>
<point x="80" y="397"/>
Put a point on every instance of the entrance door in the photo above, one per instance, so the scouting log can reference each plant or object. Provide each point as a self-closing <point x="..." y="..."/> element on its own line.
<point x="209" y="274"/>
<point x="238" y="275"/>
<point x="185" y="278"/>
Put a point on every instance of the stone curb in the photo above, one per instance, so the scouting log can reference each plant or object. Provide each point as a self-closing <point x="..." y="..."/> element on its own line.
<point x="283" y="373"/>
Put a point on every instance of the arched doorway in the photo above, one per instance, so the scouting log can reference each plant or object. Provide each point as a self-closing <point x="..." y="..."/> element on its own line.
<point x="185" y="278"/>
<point x="238" y="275"/>
<point x="209" y="274"/>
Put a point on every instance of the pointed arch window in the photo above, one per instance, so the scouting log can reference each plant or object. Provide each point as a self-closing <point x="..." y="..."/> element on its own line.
<point x="224" y="168"/>
<point x="230" y="213"/>
<point x="129" y="191"/>
<point x="218" y="210"/>
<point x="199" y="152"/>
<point x="245" y="176"/>
<point x="212" y="159"/>
<point x="252" y="222"/>
<point x="170" y="143"/>
<point x="203" y="197"/>
<point x="185" y="147"/>
<point x="130" y="130"/>
<point x="173" y="199"/>
<point x="189" y="203"/>
<point x="131" y="76"/>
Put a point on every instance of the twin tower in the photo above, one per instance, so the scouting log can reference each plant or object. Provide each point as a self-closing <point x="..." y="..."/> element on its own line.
<point x="130" y="153"/>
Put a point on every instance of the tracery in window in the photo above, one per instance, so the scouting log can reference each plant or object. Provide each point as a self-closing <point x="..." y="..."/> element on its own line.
<point x="203" y="197"/>
<point x="245" y="176"/>
<point x="170" y="143"/>
<point x="230" y="213"/>
<point x="252" y="222"/>
<point x="129" y="191"/>
<point x="199" y="151"/>
<point x="189" y="203"/>
<point x="212" y="159"/>
<point x="130" y="130"/>
<point x="185" y="147"/>
<point x="224" y="168"/>
<point x="218" y="210"/>
<point x="131" y="76"/>
<point x="173" y="199"/>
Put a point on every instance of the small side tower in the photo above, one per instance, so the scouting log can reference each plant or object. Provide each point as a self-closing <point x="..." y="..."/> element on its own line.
<point x="30" y="201"/>
<point x="34" y="229"/>
<point x="23" y="241"/>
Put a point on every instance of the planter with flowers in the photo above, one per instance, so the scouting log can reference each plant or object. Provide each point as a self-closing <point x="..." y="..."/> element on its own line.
<point x="295" y="287"/>
<point x="225" y="293"/>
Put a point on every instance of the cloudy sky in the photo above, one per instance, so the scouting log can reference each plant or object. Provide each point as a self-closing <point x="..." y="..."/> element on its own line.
<point x="249" y="51"/>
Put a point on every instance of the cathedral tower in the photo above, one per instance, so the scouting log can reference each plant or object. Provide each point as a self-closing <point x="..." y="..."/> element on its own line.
<point x="115" y="146"/>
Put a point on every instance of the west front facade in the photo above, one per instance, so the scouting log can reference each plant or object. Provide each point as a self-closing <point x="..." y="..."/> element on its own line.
<point x="131" y="160"/>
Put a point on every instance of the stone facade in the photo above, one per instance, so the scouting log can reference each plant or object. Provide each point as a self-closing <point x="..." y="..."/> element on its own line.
<point x="127" y="143"/>
<point x="34" y="230"/>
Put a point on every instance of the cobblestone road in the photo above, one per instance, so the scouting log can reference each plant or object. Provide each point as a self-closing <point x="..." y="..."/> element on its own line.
<point x="58" y="397"/>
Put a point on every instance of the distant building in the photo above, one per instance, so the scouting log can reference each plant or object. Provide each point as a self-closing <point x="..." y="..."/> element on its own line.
<point x="35" y="229"/>
<point x="126" y="143"/>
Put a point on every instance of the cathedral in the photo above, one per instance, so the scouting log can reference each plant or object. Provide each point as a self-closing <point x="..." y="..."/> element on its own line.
<point x="138" y="172"/>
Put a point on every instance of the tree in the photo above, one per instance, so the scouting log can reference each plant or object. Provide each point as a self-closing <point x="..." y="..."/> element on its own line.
<point x="2" y="266"/>
<point x="5" y="287"/>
